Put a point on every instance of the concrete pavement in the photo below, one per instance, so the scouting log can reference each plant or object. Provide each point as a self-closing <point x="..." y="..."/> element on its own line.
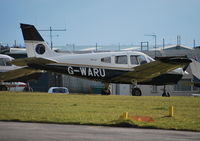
<point x="19" y="131"/>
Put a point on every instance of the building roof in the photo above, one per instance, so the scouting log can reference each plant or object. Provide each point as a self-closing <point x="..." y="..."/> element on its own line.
<point x="174" y="47"/>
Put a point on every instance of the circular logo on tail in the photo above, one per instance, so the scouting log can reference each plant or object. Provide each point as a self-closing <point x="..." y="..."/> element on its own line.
<point x="40" y="49"/>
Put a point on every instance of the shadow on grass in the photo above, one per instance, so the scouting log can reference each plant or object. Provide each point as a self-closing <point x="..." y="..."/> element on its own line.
<point x="115" y="123"/>
<point x="124" y="123"/>
<point x="160" y="108"/>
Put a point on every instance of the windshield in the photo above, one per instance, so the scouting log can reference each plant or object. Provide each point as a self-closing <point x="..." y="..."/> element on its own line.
<point x="138" y="59"/>
<point x="60" y="90"/>
<point x="142" y="59"/>
<point x="5" y="62"/>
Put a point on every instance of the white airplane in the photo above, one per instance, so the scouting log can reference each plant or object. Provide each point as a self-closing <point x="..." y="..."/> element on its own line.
<point x="127" y="67"/>
<point x="12" y="73"/>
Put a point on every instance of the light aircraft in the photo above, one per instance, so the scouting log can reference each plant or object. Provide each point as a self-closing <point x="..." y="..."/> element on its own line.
<point x="127" y="67"/>
<point x="12" y="73"/>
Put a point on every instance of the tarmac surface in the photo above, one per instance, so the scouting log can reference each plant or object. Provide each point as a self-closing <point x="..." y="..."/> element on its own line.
<point x="20" y="131"/>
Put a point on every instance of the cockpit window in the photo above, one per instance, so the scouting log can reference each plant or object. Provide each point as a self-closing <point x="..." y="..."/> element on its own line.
<point x="142" y="59"/>
<point x="5" y="62"/>
<point x="106" y="59"/>
<point x="122" y="59"/>
<point x="2" y="62"/>
<point x="134" y="60"/>
<point x="137" y="59"/>
<point x="8" y="63"/>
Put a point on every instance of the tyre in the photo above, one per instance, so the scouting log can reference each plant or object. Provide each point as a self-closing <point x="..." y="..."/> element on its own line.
<point x="136" y="92"/>
<point x="3" y="88"/>
<point x="105" y="92"/>
<point x="28" y="89"/>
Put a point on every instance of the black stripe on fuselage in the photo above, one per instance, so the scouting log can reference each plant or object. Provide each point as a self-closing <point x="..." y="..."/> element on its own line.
<point x="93" y="73"/>
<point x="106" y="75"/>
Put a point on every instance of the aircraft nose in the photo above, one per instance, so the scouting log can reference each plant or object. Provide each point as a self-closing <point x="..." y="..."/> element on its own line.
<point x="179" y="71"/>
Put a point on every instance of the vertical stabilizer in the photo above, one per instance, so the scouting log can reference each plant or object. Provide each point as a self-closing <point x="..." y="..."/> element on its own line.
<point x="35" y="44"/>
<point x="195" y="67"/>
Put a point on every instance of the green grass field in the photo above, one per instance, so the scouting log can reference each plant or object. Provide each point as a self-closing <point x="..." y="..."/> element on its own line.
<point x="100" y="110"/>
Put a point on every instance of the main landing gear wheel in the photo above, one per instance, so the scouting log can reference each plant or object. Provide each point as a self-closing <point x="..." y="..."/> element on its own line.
<point x="106" y="89"/>
<point x="3" y="88"/>
<point x="105" y="92"/>
<point x="136" y="92"/>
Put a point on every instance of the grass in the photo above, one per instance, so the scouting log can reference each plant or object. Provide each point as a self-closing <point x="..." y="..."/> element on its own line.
<point x="100" y="110"/>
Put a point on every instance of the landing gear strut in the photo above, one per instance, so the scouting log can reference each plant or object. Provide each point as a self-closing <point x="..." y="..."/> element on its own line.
<point x="165" y="93"/>
<point x="135" y="90"/>
<point x="28" y="88"/>
<point x="106" y="90"/>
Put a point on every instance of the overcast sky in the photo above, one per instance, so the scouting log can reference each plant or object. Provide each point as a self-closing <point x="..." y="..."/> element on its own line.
<point x="103" y="21"/>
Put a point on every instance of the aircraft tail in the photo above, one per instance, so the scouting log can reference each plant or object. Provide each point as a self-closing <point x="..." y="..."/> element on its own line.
<point x="195" y="67"/>
<point x="35" y="44"/>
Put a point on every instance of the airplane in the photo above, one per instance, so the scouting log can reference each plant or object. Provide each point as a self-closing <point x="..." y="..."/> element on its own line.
<point x="126" y="67"/>
<point x="195" y="81"/>
<point x="11" y="73"/>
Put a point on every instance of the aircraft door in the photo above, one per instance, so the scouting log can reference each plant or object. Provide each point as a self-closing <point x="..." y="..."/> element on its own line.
<point x="132" y="60"/>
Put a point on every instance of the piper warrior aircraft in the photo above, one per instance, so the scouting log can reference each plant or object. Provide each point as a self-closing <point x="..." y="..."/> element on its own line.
<point x="128" y="67"/>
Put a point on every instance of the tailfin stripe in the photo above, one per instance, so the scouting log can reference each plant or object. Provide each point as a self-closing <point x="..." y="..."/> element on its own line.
<point x="30" y="33"/>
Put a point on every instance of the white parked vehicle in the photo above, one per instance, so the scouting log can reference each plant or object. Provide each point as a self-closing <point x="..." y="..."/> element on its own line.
<point x="10" y="75"/>
<point x="13" y="86"/>
<point x="58" y="90"/>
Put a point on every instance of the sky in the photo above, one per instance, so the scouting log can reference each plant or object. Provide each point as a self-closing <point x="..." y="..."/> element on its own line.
<point x="105" y="22"/>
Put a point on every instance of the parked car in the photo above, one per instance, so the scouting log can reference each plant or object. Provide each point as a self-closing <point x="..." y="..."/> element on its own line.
<point x="15" y="86"/>
<point x="58" y="90"/>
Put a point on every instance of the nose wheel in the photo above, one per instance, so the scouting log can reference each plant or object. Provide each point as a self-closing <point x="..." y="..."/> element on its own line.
<point x="136" y="92"/>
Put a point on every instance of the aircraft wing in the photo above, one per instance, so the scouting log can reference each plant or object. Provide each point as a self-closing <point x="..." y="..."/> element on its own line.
<point x="17" y="73"/>
<point x="140" y="73"/>
<point x="153" y="69"/>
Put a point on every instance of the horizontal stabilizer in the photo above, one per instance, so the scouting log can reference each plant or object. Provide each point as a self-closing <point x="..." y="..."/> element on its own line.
<point x="195" y="79"/>
<point x="174" y="59"/>
<point x="31" y="60"/>
<point x="195" y="68"/>
<point x="17" y="73"/>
